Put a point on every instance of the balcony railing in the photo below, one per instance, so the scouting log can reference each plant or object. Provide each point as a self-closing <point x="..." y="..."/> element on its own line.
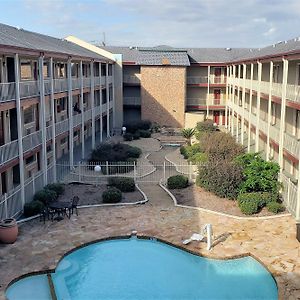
<point x="134" y="101"/>
<point x="132" y="79"/>
<point x="204" y="79"/>
<point x="203" y="102"/>
<point x="9" y="151"/>
<point x="32" y="140"/>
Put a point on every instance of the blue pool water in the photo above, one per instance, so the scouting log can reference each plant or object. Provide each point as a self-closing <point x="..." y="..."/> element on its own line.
<point x="146" y="269"/>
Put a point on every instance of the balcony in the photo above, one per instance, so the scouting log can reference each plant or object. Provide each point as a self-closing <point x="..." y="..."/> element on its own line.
<point x="205" y="102"/>
<point x="204" y="79"/>
<point x="132" y="79"/>
<point x="132" y="101"/>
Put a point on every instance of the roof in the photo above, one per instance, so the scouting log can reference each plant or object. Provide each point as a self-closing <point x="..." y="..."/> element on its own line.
<point x="210" y="55"/>
<point x="20" y="38"/>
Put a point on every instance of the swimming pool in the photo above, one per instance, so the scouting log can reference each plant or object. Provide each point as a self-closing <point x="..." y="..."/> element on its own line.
<point x="147" y="269"/>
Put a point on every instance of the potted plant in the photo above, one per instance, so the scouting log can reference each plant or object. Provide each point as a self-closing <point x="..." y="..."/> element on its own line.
<point x="8" y="231"/>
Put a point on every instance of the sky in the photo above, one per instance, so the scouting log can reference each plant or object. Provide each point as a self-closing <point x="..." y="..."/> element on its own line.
<point x="177" y="23"/>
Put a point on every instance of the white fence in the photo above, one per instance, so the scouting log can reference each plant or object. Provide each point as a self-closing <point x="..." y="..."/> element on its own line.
<point x="289" y="195"/>
<point x="10" y="203"/>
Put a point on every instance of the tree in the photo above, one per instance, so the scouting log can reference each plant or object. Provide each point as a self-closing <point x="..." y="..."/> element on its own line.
<point x="188" y="133"/>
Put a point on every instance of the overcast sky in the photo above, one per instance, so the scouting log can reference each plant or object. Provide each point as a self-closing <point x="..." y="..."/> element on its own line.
<point x="180" y="23"/>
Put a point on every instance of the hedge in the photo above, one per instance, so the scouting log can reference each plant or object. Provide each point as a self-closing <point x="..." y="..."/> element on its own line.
<point x="58" y="188"/>
<point x="177" y="182"/>
<point x="249" y="207"/>
<point x="112" y="195"/>
<point x="124" y="184"/>
<point x="45" y="196"/>
<point x="33" y="208"/>
<point x="275" y="207"/>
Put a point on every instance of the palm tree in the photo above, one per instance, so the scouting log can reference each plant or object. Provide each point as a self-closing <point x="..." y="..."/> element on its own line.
<point x="188" y="133"/>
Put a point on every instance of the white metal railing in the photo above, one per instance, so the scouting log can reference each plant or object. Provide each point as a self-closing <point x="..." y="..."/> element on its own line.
<point x="109" y="79"/>
<point x="103" y="80"/>
<point x="32" y="140"/>
<point x="75" y="83"/>
<point x="197" y="80"/>
<point x="289" y="194"/>
<point x="110" y="104"/>
<point x="133" y="79"/>
<point x="60" y="85"/>
<point x="104" y="107"/>
<point x="76" y="120"/>
<point x="291" y="143"/>
<point x="135" y="101"/>
<point x="9" y="151"/>
<point x="88" y="115"/>
<point x="202" y="102"/>
<point x="7" y="91"/>
<point x="29" y="89"/>
<point x="49" y="133"/>
<point x="61" y="127"/>
<point x="97" y="80"/>
<point x="86" y="82"/>
<point x="213" y="79"/>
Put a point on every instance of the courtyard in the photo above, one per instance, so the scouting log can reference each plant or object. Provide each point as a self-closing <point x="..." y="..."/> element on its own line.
<point x="271" y="240"/>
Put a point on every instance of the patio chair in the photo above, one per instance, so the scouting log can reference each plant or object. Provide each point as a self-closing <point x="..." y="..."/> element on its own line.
<point x="46" y="213"/>
<point x="73" y="206"/>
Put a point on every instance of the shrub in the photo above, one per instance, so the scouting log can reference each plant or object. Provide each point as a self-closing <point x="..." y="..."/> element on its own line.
<point x="259" y="175"/>
<point x="249" y="207"/>
<point x="155" y="127"/>
<point x="124" y="184"/>
<point x="33" y="208"/>
<point x="145" y="133"/>
<point x="220" y="146"/>
<point x="134" y="152"/>
<point x="112" y="195"/>
<point x="128" y="137"/>
<point x="183" y="152"/>
<point x="136" y="135"/>
<point x="207" y="126"/>
<point x="177" y="182"/>
<point x="198" y="158"/>
<point x="261" y="198"/>
<point x="45" y="196"/>
<point x="275" y="207"/>
<point x="136" y="125"/>
<point x="58" y="188"/>
<point x="188" y="133"/>
<point x="114" y="153"/>
<point x="189" y="151"/>
<point x="220" y="177"/>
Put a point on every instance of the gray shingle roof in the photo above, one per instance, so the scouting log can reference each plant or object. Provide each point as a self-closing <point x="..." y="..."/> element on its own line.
<point x="211" y="55"/>
<point x="11" y="36"/>
<point x="157" y="58"/>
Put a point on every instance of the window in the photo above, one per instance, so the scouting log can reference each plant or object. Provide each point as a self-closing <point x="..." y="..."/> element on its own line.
<point x="26" y="70"/>
<point x="276" y="69"/>
<point x="46" y="69"/>
<point x="61" y="104"/>
<point x="29" y="115"/>
<point x="30" y="159"/>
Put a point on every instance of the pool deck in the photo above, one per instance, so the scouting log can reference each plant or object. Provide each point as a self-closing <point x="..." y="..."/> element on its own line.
<point x="272" y="240"/>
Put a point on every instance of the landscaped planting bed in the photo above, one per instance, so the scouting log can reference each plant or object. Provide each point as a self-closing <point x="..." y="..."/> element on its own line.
<point x="92" y="194"/>
<point x="196" y="196"/>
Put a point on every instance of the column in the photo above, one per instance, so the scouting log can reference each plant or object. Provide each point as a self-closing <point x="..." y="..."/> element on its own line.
<point x="113" y="96"/>
<point x="207" y="97"/>
<point x="93" y="103"/>
<point x="82" y="111"/>
<point x="243" y="103"/>
<point x="250" y="107"/>
<point x="226" y="97"/>
<point x="232" y="101"/>
<point x="238" y="102"/>
<point x="20" y="129"/>
<point x="42" y="112"/>
<point x="258" y="107"/>
<point x="282" y="114"/>
<point x="107" y="103"/>
<point x="269" y="111"/>
<point x="52" y="107"/>
<point x="101" y="106"/>
<point x="70" y="111"/>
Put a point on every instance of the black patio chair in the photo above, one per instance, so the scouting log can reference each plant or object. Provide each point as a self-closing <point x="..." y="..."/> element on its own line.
<point x="73" y="206"/>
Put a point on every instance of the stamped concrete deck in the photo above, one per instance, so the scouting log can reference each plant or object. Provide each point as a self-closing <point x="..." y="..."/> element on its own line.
<point x="272" y="241"/>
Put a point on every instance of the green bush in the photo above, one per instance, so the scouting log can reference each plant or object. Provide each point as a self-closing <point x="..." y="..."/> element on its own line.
<point x="45" y="196"/>
<point x="112" y="195"/>
<point x="155" y="127"/>
<point x="275" y="207"/>
<point x="206" y="126"/>
<point x="220" y="177"/>
<point x="58" y="188"/>
<point x="189" y="151"/>
<point x="249" y="207"/>
<point x="198" y="158"/>
<point x="136" y="135"/>
<point x="138" y="125"/>
<point x="134" y="152"/>
<point x="114" y="153"/>
<point x="124" y="184"/>
<point x="33" y="208"/>
<point x="260" y="198"/>
<point x="259" y="175"/>
<point x="128" y="137"/>
<point x="177" y="182"/>
<point x="145" y="133"/>
<point x="183" y="152"/>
